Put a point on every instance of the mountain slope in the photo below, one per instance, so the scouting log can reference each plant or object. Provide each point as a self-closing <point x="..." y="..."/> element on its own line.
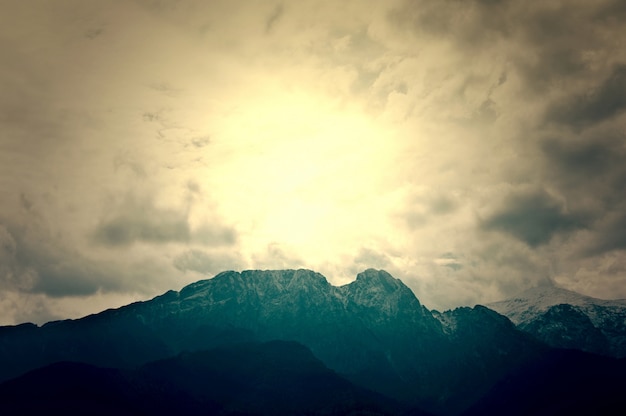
<point x="566" y="319"/>
<point x="275" y="378"/>
<point x="485" y="346"/>
<point x="560" y="382"/>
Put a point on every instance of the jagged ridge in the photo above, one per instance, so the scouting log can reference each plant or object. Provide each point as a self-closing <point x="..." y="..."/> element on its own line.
<point x="567" y="319"/>
<point x="374" y="331"/>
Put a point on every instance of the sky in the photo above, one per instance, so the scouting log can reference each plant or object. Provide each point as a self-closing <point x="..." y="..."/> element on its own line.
<point x="473" y="149"/>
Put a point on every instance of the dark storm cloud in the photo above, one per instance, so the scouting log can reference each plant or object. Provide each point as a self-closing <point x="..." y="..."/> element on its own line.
<point x="610" y="236"/>
<point x="560" y="43"/>
<point x="602" y="102"/>
<point x="553" y="40"/>
<point x="580" y="157"/>
<point x="64" y="273"/>
<point x="533" y="217"/>
<point x="590" y="172"/>
<point x="141" y="221"/>
<point x="589" y="167"/>
<point x="33" y="262"/>
<point x="157" y="227"/>
<point x="611" y="11"/>
<point x="549" y="43"/>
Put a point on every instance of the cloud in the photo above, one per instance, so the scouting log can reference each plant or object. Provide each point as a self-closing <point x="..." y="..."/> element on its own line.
<point x="464" y="22"/>
<point x="140" y="220"/>
<point x="580" y="158"/>
<point x="589" y="171"/>
<point x="587" y="168"/>
<point x="33" y="262"/>
<point x="598" y="104"/>
<point x="368" y="258"/>
<point x="16" y="308"/>
<point x="274" y="17"/>
<point x="552" y="44"/>
<point x="11" y="274"/>
<point x="43" y="253"/>
<point x="608" y="236"/>
<point x="428" y="206"/>
<point x="481" y="269"/>
<point x="206" y="263"/>
<point x="278" y="256"/>
<point x="533" y="217"/>
<point x="124" y="160"/>
<point x="331" y="135"/>
<point x="449" y="260"/>
<point x="200" y="142"/>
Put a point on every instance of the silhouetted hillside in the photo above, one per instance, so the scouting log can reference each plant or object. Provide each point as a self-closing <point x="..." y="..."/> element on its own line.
<point x="274" y="378"/>
<point x="560" y="382"/>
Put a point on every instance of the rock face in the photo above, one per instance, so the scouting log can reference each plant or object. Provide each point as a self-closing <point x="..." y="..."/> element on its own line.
<point x="566" y="319"/>
<point x="345" y="326"/>
<point x="373" y="331"/>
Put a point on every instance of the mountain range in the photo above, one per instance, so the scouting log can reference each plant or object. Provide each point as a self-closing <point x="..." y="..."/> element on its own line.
<point x="566" y="319"/>
<point x="288" y="342"/>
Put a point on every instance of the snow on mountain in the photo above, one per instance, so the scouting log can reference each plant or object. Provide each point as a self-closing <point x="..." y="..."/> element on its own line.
<point x="535" y="301"/>
<point x="566" y="319"/>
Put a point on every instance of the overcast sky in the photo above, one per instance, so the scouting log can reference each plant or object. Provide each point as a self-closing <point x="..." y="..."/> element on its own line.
<point x="472" y="148"/>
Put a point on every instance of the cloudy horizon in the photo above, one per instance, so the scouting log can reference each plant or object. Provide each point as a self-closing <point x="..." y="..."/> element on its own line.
<point x="473" y="149"/>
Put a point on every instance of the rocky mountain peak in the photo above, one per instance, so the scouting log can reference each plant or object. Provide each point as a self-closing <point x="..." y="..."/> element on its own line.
<point x="259" y="281"/>
<point x="286" y="279"/>
<point x="379" y="279"/>
<point x="378" y="290"/>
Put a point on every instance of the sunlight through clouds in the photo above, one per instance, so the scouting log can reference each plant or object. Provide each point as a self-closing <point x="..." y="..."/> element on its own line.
<point x="472" y="149"/>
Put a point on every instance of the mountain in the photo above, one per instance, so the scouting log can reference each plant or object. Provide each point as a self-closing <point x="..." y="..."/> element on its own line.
<point x="566" y="319"/>
<point x="374" y="332"/>
<point x="484" y="347"/>
<point x="344" y="326"/>
<point x="559" y="383"/>
<point x="274" y="378"/>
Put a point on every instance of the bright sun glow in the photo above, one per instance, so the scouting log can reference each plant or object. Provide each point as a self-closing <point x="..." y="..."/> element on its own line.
<point x="302" y="162"/>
